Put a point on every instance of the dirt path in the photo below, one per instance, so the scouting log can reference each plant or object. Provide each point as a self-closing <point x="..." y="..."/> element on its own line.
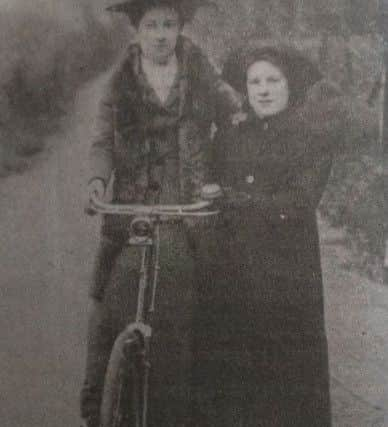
<point x="46" y="249"/>
<point x="357" y="316"/>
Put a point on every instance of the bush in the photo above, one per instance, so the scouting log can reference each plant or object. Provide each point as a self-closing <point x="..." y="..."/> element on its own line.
<point x="44" y="63"/>
<point x="355" y="200"/>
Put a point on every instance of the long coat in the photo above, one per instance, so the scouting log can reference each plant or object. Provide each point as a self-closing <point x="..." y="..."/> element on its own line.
<point x="262" y="360"/>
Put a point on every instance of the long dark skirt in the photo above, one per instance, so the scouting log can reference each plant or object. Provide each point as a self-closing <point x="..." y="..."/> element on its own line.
<point x="171" y="343"/>
<point x="260" y="353"/>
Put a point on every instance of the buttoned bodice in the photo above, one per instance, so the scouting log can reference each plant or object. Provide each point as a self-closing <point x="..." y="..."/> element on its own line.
<point x="285" y="176"/>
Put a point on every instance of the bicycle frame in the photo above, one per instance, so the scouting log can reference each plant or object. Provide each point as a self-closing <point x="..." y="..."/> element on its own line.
<point x="150" y="217"/>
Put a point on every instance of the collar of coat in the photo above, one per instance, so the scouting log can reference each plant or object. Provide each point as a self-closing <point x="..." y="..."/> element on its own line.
<point x="316" y="128"/>
<point x="130" y="85"/>
<point x="320" y="115"/>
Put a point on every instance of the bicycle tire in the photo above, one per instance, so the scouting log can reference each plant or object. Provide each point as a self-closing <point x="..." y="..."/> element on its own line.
<point x="116" y="408"/>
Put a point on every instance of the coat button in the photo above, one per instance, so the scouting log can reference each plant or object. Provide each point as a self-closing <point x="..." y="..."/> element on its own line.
<point x="154" y="186"/>
<point x="250" y="179"/>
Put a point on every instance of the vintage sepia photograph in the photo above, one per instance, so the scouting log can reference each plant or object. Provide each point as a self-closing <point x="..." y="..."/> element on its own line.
<point x="193" y="226"/>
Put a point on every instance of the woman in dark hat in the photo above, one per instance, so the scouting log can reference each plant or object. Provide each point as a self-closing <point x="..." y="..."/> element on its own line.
<point x="154" y="127"/>
<point x="261" y="351"/>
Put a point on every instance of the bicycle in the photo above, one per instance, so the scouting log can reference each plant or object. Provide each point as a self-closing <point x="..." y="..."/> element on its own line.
<point x="126" y="387"/>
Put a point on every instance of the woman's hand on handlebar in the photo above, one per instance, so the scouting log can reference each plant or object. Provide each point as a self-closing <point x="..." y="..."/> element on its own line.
<point x="225" y="198"/>
<point x="96" y="188"/>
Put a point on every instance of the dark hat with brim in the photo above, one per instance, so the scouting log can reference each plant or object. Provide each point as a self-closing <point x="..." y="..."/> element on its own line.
<point x="300" y="71"/>
<point x="135" y="9"/>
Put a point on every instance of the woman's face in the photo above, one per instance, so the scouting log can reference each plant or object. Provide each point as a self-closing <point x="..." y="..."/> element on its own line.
<point x="158" y="32"/>
<point x="268" y="91"/>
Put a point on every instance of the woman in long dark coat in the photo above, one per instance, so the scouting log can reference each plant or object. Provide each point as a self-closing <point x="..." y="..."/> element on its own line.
<point x="263" y="360"/>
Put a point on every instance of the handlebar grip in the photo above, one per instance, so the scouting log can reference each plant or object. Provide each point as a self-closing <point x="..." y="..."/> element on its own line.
<point x="90" y="210"/>
<point x="211" y="192"/>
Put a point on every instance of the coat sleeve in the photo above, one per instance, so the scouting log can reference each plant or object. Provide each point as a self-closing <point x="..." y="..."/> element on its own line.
<point x="101" y="152"/>
<point x="304" y="189"/>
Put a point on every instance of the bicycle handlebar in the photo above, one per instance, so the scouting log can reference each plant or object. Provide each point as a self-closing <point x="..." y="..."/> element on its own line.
<point x="198" y="209"/>
<point x="195" y="209"/>
<point x="211" y="193"/>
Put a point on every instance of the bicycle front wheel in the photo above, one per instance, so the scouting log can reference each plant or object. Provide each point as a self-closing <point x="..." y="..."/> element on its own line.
<point x="123" y="387"/>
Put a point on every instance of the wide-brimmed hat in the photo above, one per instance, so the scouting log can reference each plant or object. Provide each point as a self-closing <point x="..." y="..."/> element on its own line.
<point x="135" y="9"/>
<point x="300" y="71"/>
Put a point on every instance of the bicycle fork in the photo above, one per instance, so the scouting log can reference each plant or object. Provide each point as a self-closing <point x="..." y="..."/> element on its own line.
<point x="141" y="388"/>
